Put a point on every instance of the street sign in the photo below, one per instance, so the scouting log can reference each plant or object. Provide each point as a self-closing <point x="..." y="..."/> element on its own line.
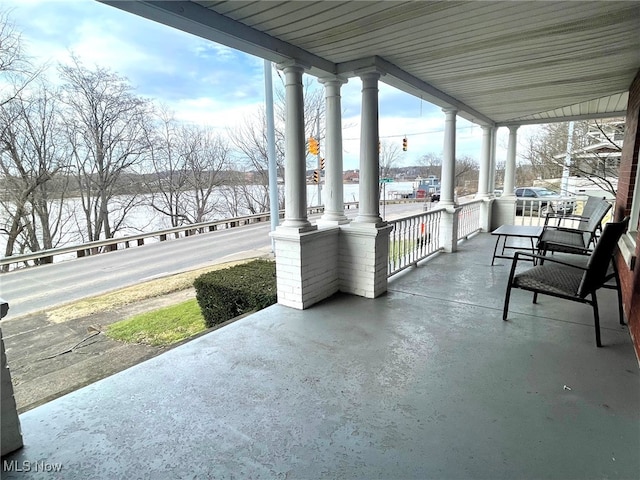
<point x="386" y="180"/>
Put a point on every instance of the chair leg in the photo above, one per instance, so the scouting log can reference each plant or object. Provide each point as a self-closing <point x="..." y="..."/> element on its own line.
<point x="507" y="297"/>
<point x="618" y="291"/>
<point x="535" y="297"/>
<point x="596" y="318"/>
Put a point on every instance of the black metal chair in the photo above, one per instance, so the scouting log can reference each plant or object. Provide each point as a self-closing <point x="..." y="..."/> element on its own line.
<point x="571" y="281"/>
<point x="581" y="220"/>
<point x="574" y="240"/>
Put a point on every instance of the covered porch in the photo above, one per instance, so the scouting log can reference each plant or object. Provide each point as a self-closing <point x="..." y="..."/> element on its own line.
<point x="422" y="379"/>
<point x="425" y="381"/>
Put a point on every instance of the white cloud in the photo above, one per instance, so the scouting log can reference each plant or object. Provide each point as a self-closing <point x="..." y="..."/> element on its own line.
<point x="207" y="83"/>
<point x="212" y="112"/>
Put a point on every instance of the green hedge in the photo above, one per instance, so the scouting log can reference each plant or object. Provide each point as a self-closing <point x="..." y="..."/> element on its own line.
<point x="225" y="294"/>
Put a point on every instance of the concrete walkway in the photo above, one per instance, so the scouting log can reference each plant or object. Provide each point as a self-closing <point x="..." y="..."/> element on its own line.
<point x="48" y="360"/>
<point x="426" y="381"/>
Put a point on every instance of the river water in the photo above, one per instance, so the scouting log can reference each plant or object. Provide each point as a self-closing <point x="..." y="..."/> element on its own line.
<point x="143" y="218"/>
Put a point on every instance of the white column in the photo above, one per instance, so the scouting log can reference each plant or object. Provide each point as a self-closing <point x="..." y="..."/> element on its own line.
<point x="485" y="163"/>
<point x="492" y="157"/>
<point x="449" y="219"/>
<point x="333" y="188"/>
<point x="295" y="184"/>
<point x="510" y="167"/>
<point x="485" y="191"/>
<point x="448" y="158"/>
<point x="369" y="211"/>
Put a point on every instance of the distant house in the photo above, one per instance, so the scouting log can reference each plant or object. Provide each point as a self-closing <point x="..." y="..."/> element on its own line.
<point x="351" y="176"/>
<point x="602" y="157"/>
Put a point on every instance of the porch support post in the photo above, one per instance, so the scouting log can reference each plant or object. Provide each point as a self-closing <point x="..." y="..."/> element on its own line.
<point x="449" y="219"/>
<point x="484" y="177"/>
<point x="306" y="258"/>
<point x="505" y="206"/>
<point x="510" y="167"/>
<point x="492" y="156"/>
<point x="369" y="211"/>
<point x="333" y="196"/>
<point x="364" y="243"/>
<point x="448" y="158"/>
<point x="485" y="163"/>
<point x="295" y="213"/>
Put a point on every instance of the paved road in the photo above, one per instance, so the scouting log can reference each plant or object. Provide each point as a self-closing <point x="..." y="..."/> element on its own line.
<point x="33" y="289"/>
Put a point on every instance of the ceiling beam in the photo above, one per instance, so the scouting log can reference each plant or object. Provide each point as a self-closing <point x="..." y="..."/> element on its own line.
<point x="541" y="121"/>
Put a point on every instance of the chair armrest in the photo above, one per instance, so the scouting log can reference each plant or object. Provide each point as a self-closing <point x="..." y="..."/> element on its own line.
<point x="546" y="259"/>
<point x="564" y="229"/>
<point x="561" y="218"/>
<point x="579" y="251"/>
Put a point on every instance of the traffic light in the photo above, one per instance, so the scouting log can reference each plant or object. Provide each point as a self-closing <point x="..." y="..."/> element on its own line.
<point x="404" y="144"/>
<point x="321" y="163"/>
<point x="314" y="146"/>
<point x="316" y="176"/>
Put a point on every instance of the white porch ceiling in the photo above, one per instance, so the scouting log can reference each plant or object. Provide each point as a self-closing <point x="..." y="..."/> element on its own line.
<point x="507" y="62"/>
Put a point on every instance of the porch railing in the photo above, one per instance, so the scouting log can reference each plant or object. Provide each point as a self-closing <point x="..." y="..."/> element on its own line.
<point x="413" y="239"/>
<point x="469" y="219"/>
<point x="533" y="211"/>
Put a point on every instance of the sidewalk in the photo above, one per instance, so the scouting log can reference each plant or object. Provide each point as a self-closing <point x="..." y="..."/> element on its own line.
<point x="49" y="359"/>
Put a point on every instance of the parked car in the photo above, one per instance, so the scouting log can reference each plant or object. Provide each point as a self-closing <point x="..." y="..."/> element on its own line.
<point x="542" y="200"/>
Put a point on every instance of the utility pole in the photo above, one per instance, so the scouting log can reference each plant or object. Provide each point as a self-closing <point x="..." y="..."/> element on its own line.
<point x="271" y="151"/>
<point x="318" y="158"/>
<point x="564" y="186"/>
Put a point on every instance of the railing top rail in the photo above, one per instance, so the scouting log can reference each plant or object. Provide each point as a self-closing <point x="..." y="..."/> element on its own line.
<point x="128" y="238"/>
<point x="168" y="231"/>
<point x="417" y="215"/>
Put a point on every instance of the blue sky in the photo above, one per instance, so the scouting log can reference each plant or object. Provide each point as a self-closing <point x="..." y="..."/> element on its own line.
<point x="204" y="82"/>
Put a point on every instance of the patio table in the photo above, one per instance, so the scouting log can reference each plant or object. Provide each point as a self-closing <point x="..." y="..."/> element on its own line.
<point x="505" y="232"/>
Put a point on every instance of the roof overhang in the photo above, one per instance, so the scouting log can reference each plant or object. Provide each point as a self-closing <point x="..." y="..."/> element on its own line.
<point x="497" y="63"/>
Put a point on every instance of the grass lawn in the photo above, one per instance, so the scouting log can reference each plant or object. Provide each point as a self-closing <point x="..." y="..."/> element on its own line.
<point x="401" y="247"/>
<point x="161" y="327"/>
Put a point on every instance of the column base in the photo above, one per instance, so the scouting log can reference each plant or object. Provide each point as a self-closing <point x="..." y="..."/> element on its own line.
<point x="299" y="226"/>
<point x="368" y="221"/>
<point x="364" y="259"/>
<point x="328" y="220"/>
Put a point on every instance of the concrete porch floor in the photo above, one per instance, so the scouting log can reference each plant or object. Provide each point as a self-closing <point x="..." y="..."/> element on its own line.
<point x="426" y="381"/>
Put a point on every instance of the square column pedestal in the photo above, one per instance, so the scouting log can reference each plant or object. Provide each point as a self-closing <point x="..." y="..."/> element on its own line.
<point x="306" y="265"/>
<point x="364" y="259"/>
<point x="313" y="265"/>
<point x="503" y="212"/>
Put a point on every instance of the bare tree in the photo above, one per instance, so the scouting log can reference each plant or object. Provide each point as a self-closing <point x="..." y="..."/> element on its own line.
<point x="466" y="175"/>
<point x="431" y="165"/>
<point x="595" y="152"/>
<point x="250" y="142"/>
<point x="15" y="69"/>
<point x="167" y="186"/>
<point x="106" y="128"/>
<point x="206" y="155"/>
<point x="34" y="168"/>
<point x="389" y="156"/>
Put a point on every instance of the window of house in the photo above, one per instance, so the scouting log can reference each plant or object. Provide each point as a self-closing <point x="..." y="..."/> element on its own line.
<point x="627" y="243"/>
